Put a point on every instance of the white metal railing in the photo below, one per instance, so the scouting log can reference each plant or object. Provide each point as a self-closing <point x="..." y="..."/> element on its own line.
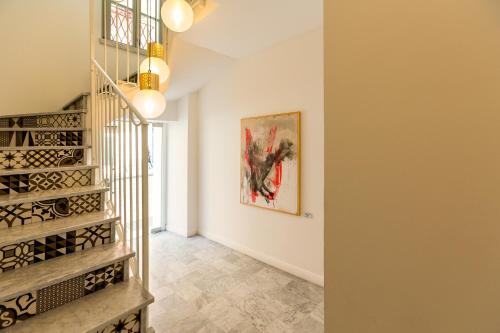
<point x="120" y="149"/>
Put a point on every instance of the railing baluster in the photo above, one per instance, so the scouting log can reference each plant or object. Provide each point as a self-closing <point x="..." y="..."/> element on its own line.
<point x="124" y="177"/>
<point x="137" y="198"/>
<point x="120" y="174"/>
<point x="106" y="141"/>
<point x="145" y="208"/>
<point x="115" y="156"/>
<point x="101" y="140"/>
<point x="131" y="208"/>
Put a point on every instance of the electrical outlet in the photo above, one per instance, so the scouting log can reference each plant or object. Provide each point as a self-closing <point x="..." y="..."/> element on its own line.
<point x="308" y="215"/>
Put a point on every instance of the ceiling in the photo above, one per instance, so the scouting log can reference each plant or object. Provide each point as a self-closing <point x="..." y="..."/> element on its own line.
<point x="227" y="30"/>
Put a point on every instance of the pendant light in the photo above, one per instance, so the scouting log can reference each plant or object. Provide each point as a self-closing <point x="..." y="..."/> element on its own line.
<point x="177" y="15"/>
<point x="158" y="65"/>
<point x="149" y="101"/>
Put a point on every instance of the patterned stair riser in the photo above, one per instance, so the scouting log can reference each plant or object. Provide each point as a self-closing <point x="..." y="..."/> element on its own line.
<point x="22" y="254"/>
<point x="46" y="158"/>
<point x="44" y="181"/>
<point x="40" y="138"/>
<point x="68" y="120"/>
<point x="128" y="324"/>
<point x="21" y="214"/>
<point x="29" y="305"/>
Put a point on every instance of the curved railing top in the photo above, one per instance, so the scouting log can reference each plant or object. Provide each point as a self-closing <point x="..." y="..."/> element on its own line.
<point x="118" y="91"/>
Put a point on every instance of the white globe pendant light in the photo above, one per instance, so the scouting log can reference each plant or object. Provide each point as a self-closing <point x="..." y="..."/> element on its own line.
<point x="155" y="62"/>
<point x="149" y="101"/>
<point x="177" y="15"/>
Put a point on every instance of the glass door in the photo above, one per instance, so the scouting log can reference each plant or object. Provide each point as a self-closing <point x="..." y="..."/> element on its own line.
<point x="157" y="177"/>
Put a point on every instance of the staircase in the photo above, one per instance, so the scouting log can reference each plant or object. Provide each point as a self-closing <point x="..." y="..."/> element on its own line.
<point x="65" y="262"/>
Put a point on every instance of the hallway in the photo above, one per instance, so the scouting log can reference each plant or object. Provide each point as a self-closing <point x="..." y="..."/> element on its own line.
<point x="201" y="286"/>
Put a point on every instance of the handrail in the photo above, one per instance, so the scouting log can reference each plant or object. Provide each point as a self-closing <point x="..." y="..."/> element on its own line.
<point x="120" y="93"/>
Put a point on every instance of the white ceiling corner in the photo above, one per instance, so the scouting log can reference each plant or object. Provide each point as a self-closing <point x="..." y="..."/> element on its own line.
<point x="234" y="29"/>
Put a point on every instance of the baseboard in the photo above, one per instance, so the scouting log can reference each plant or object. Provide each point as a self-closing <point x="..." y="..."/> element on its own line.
<point x="294" y="270"/>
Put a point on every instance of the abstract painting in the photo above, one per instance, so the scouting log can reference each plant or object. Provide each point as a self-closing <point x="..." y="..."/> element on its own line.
<point x="270" y="162"/>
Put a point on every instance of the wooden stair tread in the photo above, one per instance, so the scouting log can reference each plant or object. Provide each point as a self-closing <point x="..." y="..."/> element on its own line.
<point x="23" y="171"/>
<point x="31" y="231"/>
<point x="19" y="198"/>
<point x="90" y="313"/>
<point x="46" y="273"/>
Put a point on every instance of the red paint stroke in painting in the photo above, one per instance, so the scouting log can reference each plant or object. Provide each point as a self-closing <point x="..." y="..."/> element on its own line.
<point x="248" y="142"/>
<point x="271" y="138"/>
<point x="260" y="160"/>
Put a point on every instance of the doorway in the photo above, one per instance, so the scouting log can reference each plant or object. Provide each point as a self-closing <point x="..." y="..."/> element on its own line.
<point x="157" y="177"/>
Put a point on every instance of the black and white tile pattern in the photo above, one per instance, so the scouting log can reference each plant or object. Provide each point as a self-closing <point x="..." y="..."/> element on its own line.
<point x="15" y="215"/>
<point x="87" y="203"/>
<point x="40" y="138"/>
<point x="59" y="179"/>
<point x="64" y="207"/>
<point x="15" y="159"/>
<point x="93" y="236"/>
<point x="46" y="158"/>
<point x="50" y="209"/>
<point x="54" y="246"/>
<point x="22" y="254"/>
<point x="17" y="310"/>
<point x="59" y="294"/>
<point x="129" y="324"/>
<point x="17" y="139"/>
<point x="67" y="120"/>
<point x="53" y="158"/>
<point x="16" y="256"/>
<point x="60" y="120"/>
<point x="104" y="277"/>
<point x="14" y="184"/>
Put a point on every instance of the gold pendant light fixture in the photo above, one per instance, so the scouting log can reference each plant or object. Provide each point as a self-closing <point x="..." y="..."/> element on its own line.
<point x="149" y="101"/>
<point x="158" y="65"/>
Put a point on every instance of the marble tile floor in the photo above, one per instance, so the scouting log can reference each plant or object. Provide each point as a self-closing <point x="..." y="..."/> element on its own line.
<point x="203" y="287"/>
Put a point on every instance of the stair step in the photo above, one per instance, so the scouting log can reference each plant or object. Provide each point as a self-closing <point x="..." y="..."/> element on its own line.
<point x="37" y="276"/>
<point x="42" y="147"/>
<point x="43" y="113"/>
<point x="19" y="198"/>
<point x="43" y="129"/>
<point x="90" y="313"/>
<point x="25" y="171"/>
<point x="38" y="230"/>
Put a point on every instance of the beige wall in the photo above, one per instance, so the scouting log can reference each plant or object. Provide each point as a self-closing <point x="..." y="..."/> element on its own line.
<point x="286" y="77"/>
<point x="413" y="166"/>
<point x="44" y="54"/>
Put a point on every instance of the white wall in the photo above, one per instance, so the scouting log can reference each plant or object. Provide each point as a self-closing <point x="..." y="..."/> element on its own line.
<point x="45" y="60"/>
<point x="45" y="54"/>
<point x="182" y="168"/>
<point x="287" y="77"/>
